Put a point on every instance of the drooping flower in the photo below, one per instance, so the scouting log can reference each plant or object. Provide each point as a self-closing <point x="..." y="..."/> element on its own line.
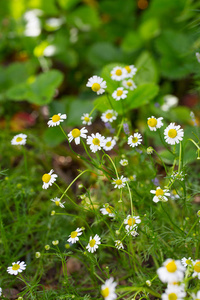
<point x="96" y="142"/>
<point x="57" y="202"/>
<point x="129" y="84"/>
<point x="135" y="140"/>
<point x="130" y="71"/>
<point x="118" y="74"/>
<point x="107" y="210"/>
<point x="173" y="134"/>
<point x="97" y="84"/>
<point x="86" y="119"/>
<point x="119" y="245"/>
<point x="171" y="271"/>
<point x="16" y="268"/>
<point x="93" y="244"/>
<point x="160" y="195"/>
<point x="56" y="120"/>
<point x="109" y="116"/>
<point x="48" y="179"/>
<point x="74" y="236"/>
<point x="119" y="182"/>
<point x="19" y="139"/>
<point x="76" y="134"/>
<point x="109" y="144"/>
<point x="119" y="93"/>
<point x="154" y="123"/>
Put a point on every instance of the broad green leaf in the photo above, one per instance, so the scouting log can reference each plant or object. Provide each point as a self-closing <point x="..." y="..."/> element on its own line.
<point x="147" y="69"/>
<point x="75" y="111"/>
<point x="84" y="17"/>
<point x="68" y="4"/>
<point x="132" y="41"/>
<point x="149" y="29"/>
<point x="53" y="136"/>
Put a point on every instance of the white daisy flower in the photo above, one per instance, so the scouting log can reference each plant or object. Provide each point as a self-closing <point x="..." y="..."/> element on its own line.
<point x="120" y="93"/>
<point x="57" y="202"/>
<point x="154" y="123"/>
<point x="123" y="162"/>
<point x="86" y="119"/>
<point x="129" y="84"/>
<point x="197" y="296"/>
<point x="172" y="271"/>
<point x="107" y="210"/>
<point x="48" y="179"/>
<point x="109" y="116"/>
<point x="119" y="245"/>
<point x="93" y="243"/>
<point x="19" y="139"/>
<point x="198" y="56"/>
<point x="108" y="289"/>
<point x="56" y="120"/>
<point x="196" y="265"/>
<point x="118" y="74"/>
<point x="96" y="142"/>
<point x="132" y="178"/>
<point x="186" y="261"/>
<point x="109" y="144"/>
<point x="76" y="134"/>
<point x="173" y="292"/>
<point x="97" y="84"/>
<point x="173" y="134"/>
<point x="130" y="71"/>
<point x="119" y="182"/>
<point x="135" y="140"/>
<point x="132" y="231"/>
<point x="131" y="222"/>
<point x="0" y="291"/>
<point x="74" y="236"/>
<point x="16" y="268"/>
<point x="160" y="195"/>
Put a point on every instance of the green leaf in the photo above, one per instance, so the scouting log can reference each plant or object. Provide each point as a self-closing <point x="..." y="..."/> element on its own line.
<point x="147" y="69"/>
<point x="75" y="111"/>
<point x="53" y="136"/>
<point x="84" y="17"/>
<point x="132" y="41"/>
<point x="149" y="29"/>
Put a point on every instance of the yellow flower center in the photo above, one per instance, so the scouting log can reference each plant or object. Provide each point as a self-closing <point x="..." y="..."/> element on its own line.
<point x="46" y="178"/>
<point x="108" y="210"/>
<point x="171" y="266"/>
<point x="109" y="116"/>
<point x="152" y="122"/>
<point x="118" y="72"/>
<point x="92" y="243"/>
<point x="108" y="144"/>
<point x="131" y="221"/>
<point x="76" y="132"/>
<point x="197" y="267"/>
<point x="188" y="261"/>
<point x="18" y="139"/>
<point x="119" y="93"/>
<point x="172" y="296"/>
<point x="128" y="69"/>
<point x="105" y="292"/>
<point x="118" y="181"/>
<point x="56" y="118"/>
<point x="87" y="119"/>
<point x="15" y="267"/>
<point x="74" y="234"/>
<point x="159" y="192"/>
<point x="129" y="83"/>
<point x="96" y="142"/>
<point x="57" y="203"/>
<point x="96" y="87"/>
<point x="172" y="133"/>
<point x="134" y="140"/>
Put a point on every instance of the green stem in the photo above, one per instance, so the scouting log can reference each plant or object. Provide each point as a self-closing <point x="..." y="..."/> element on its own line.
<point x="130" y="198"/>
<point x="107" y="94"/>
<point x="192" y="227"/>
<point x="164" y="144"/>
<point x="112" y="163"/>
<point x="25" y="162"/>
<point x="180" y="158"/>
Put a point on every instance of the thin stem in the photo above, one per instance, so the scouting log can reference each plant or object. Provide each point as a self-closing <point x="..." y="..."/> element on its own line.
<point x="112" y="163"/>
<point x="109" y="100"/>
<point x="180" y="158"/>
<point x="25" y="162"/>
<point x="130" y="198"/>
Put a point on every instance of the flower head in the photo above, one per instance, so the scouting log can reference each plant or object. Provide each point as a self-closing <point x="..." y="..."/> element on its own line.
<point x="119" y="245"/>
<point x="186" y="261"/>
<point x="48" y="179"/>
<point x="108" y="289"/>
<point x="56" y="120"/>
<point x="86" y="119"/>
<point x="174" y="292"/>
<point x="123" y="162"/>
<point x="135" y="140"/>
<point x="109" y="116"/>
<point x="93" y="243"/>
<point x="109" y="143"/>
<point x="130" y="71"/>
<point x="132" y="231"/>
<point x="171" y="271"/>
<point x="118" y="73"/>
<point x="131" y="222"/>
<point x="160" y="195"/>
<point x="196" y="265"/>
<point x="76" y="134"/>
<point x="16" y="268"/>
<point x="74" y="236"/>
<point x="154" y="123"/>
<point x="119" y="182"/>
<point x="129" y="84"/>
<point x="55" y="243"/>
<point x="173" y="134"/>
<point x="19" y="139"/>
<point x="96" y="142"/>
<point x="57" y="202"/>
<point x="97" y="84"/>
<point x="107" y="210"/>
<point x="120" y="93"/>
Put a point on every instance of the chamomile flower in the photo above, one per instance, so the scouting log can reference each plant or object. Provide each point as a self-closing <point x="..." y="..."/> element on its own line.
<point x="97" y="84"/>
<point x="118" y="74"/>
<point x="86" y="119"/>
<point x="74" y="236"/>
<point x="131" y="222"/>
<point x="109" y="144"/>
<point x="119" y="245"/>
<point x="119" y="182"/>
<point x="135" y="140"/>
<point x="76" y="134"/>
<point x="123" y="162"/>
<point x="107" y="210"/>
<point x="55" y="243"/>
<point x="93" y="243"/>
<point x="130" y="71"/>
<point x="109" y="116"/>
<point x="0" y="291"/>
<point x="197" y="296"/>
<point x="154" y="123"/>
<point x="186" y="261"/>
<point x="196" y="265"/>
<point x="173" y="134"/>
<point x="178" y="176"/>
<point x="120" y="93"/>
<point x="173" y="292"/>
<point x="129" y="84"/>
<point x="132" y="231"/>
<point x="56" y="120"/>
<point x="108" y="289"/>
<point x="160" y="195"/>
<point x="96" y="142"/>
<point x="16" y="268"/>
<point x="171" y="271"/>
<point x="48" y="179"/>
<point x="57" y="202"/>
<point x="19" y="139"/>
